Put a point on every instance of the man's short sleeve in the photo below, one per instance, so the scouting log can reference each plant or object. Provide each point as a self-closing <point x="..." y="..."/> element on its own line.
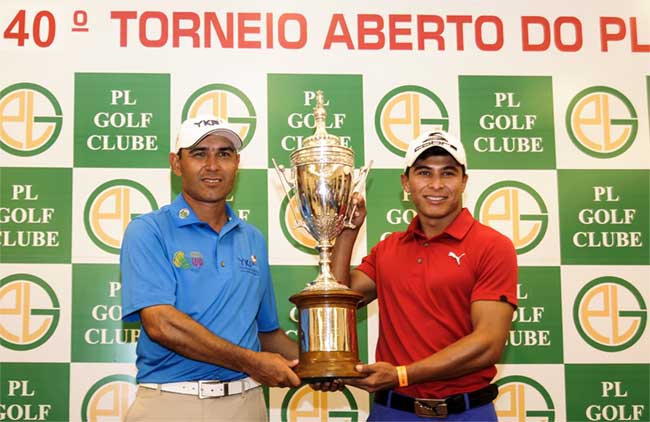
<point x="147" y="275"/>
<point x="497" y="276"/>
<point x="369" y="263"/>
<point x="267" y="317"/>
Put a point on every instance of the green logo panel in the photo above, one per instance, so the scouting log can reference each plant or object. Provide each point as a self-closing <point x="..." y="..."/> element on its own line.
<point x="98" y="333"/>
<point x="35" y="391"/>
<point x="121" y="120"/>
<point x="289" y="280"/>
<point x="245" y="200"/>
<point x="605" y="217"/>
<point x="389" y="208"/>
<point x="536" y="333"/>
<point x="607" y="392"/>
<point x="36" y="215"/>
<point x="507" y="121"/>
<point x="291" y="100"/>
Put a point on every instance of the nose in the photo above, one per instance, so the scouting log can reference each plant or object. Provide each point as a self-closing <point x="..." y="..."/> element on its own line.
<point x="435" y="181"/>
<point x="212" y="162"/>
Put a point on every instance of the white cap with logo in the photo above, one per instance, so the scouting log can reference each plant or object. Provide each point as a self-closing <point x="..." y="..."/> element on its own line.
<point x="195" y="129"/>
<point x="432" y="139"/>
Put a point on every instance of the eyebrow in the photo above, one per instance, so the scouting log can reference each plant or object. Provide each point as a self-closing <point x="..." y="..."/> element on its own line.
<point x="222" y="149"/>
<point x="447" y="167"/>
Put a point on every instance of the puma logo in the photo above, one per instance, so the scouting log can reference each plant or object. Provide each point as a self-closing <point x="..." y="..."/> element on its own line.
<point x="457" y="258"/>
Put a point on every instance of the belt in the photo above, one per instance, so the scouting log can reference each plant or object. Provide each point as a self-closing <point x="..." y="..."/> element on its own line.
<point x="207" y="388"/>
<point x="437" y="408"/>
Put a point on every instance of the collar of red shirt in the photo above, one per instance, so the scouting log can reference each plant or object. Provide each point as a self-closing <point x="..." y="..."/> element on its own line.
<point x="457" y="229"/>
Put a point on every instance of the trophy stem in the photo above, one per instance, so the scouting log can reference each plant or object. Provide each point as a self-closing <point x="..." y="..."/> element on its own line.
<point x="325" y="279"/>
<point x="325" y="264"/>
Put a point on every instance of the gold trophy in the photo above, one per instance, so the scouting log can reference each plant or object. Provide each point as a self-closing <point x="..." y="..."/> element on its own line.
<point x="321" y="178"/>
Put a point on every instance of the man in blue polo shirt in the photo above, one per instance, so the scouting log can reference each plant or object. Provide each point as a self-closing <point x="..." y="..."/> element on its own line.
<point x="197" y="278"/>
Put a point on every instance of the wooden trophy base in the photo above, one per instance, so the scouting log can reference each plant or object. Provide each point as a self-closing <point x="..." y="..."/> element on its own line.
<point x="328" y="334"/>
<point x="327" y="366"/>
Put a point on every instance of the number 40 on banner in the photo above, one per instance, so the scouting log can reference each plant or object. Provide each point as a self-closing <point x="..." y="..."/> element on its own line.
<point x="43" y="27"/>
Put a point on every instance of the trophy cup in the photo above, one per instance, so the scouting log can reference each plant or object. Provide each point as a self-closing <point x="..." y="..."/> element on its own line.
<point x="321" y="178"/>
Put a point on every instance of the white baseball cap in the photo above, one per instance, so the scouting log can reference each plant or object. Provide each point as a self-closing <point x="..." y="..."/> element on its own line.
<point x="195" y="129"/>
<point x="437" y="138"/>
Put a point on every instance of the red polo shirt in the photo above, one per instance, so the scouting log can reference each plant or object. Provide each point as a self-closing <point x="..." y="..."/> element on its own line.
<point x="425" y="288"/>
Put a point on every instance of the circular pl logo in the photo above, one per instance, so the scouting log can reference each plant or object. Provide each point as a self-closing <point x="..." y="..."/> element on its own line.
<point x="404" y="113"/>
<point x="109" y="399"/>
<point x="516" y="210"/>
<point x="30" y="312"/>
<point x="30" y="119"/>
<point x="601" y="122"/>
<point x="305" y="404"/>
<point x="227" y="103"/>
<point x="110" y="208"/>
<point x="297" y="236"/>
<point x="523" y="399"/>
<point x="610" y="314"/>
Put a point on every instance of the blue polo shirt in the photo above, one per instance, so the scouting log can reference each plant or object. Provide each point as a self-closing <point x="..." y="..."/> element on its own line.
<point x="221" y="280"/>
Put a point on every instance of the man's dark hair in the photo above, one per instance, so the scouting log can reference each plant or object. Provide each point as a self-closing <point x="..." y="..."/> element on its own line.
<point x="431" y="152"/>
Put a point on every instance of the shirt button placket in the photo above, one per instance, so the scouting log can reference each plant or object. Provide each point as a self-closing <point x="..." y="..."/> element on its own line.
<point x="420" y="260"/>
<point x="216" y="253"/>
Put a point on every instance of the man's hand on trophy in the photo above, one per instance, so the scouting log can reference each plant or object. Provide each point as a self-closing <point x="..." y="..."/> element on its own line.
<point x="379" y="376"/>
<point x="358" y="210"/>
<point x="273" y="370"/>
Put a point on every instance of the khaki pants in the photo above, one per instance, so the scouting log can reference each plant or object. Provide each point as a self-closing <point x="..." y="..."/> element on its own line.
<point x="155" y="405"/>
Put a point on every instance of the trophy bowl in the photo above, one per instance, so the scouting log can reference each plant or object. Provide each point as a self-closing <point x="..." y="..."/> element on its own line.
<point x="322" y="179"/>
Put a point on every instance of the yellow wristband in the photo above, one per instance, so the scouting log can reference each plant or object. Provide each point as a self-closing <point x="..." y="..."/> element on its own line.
<point x="401" y="376"/>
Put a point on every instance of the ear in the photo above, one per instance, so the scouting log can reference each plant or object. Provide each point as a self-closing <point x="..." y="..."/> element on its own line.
<point x="405" y="183"/>
<point x="464" y="183"/>
<point x="175" y="163"/>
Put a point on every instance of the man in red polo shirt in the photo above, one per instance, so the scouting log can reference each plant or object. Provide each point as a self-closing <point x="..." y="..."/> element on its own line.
<point x="446" y="289"/>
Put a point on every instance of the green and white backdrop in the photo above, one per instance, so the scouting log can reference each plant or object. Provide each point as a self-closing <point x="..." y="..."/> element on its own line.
<point x="551" y="100"/>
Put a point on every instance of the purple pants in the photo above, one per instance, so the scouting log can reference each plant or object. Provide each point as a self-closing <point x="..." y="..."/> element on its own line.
<point x="383" y="413"/>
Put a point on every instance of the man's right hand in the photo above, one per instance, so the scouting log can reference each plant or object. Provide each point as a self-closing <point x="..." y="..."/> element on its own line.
<point x="272" y="370"/>
<point x="360" y="211"/>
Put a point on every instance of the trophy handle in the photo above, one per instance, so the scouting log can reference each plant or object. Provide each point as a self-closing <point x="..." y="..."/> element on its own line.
<point x="361" y="180"/>
<point x="288" y="184"/>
